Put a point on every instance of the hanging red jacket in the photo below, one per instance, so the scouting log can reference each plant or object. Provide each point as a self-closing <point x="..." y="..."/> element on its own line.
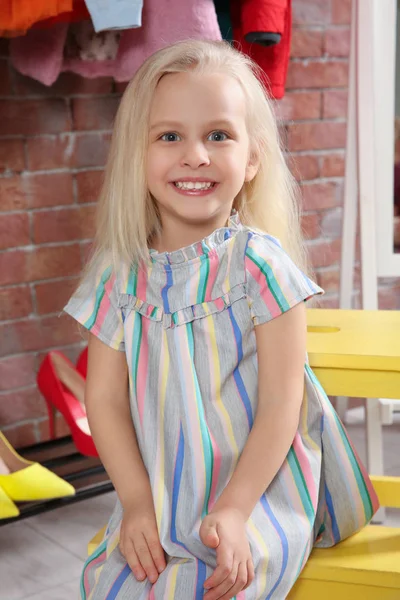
<point x="272" y="16"/>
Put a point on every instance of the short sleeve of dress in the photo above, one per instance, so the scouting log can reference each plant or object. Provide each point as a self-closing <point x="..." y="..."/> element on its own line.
<point x="95" y="306"/>
<point x="274" y="283"/>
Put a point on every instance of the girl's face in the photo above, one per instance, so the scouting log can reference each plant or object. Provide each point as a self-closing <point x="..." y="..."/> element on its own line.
<point x="198" y="155"/>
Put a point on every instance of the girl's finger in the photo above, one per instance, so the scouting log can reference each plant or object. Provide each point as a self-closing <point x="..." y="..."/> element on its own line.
<point x="224" y="567"/>
<point x="133" y="561"/>
<point x="156" y="552"/>
<point x="145" y="558"/>
<point x="239" y="584"/>
<point x="250" y="573"/>
<point x="225" y="586"/>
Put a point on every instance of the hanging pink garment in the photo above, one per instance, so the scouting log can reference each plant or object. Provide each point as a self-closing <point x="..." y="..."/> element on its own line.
<point x="43" y="54"/>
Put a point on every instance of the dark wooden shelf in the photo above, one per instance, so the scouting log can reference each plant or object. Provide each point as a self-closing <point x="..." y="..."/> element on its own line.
<point x="85" y="473"/>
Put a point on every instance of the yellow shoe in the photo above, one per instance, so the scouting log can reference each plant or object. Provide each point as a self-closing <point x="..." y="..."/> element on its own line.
<point x="7" y="507"/>
<point x="24" y="481"/>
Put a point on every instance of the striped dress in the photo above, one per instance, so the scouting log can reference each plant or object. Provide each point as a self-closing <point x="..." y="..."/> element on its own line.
<point x="186" y="324"/>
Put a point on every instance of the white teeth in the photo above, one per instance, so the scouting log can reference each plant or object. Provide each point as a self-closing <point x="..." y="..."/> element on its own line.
<point x="193" y="185"/>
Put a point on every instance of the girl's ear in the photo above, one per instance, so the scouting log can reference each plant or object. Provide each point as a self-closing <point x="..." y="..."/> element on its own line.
<point x="252" y="167"/>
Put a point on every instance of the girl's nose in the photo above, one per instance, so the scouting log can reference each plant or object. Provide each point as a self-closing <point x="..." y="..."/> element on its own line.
<point x="195" y="156"/>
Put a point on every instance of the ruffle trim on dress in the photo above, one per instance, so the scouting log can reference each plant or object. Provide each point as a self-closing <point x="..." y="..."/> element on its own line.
<point x="128" y="302"/>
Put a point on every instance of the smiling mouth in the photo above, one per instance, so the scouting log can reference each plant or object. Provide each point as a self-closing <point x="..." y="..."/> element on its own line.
<point x="194" y="185"/>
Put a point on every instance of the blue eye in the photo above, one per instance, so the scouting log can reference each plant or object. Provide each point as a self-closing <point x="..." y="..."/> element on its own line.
<point x="219" y="134"/>
<point x="169" y="137"/>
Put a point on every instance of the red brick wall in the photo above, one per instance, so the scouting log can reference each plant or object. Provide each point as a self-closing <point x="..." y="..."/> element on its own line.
<point x="53" y="145"/>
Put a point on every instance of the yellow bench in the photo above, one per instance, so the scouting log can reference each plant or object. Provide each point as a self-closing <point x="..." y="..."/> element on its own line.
<point x="366" y="566"/>
<point x="355" y="354"/>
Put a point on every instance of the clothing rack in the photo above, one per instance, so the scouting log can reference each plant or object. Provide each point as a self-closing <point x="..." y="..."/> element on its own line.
<point x="85" y="473"/>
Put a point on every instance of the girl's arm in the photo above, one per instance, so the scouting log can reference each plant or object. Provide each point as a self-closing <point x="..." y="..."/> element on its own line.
<point x="281" y="350"/>
<point x="110" y="421"/>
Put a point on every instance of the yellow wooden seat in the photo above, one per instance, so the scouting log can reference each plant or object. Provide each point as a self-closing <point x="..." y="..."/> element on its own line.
<point x="96" y="540"/>
<point x="366" y="566"/>
<point x="355" y="354"/>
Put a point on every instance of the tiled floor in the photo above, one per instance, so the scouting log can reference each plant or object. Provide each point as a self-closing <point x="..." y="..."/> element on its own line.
<point x="41" y="557"/>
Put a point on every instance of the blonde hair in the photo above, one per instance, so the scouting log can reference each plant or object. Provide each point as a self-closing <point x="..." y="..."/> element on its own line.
<point x="126" y="213"/>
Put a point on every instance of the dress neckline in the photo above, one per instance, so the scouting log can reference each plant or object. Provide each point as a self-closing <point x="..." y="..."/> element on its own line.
<point x="202" y="248"/>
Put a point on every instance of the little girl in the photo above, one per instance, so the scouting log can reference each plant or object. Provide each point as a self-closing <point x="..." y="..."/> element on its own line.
<point x="228" y="460"/>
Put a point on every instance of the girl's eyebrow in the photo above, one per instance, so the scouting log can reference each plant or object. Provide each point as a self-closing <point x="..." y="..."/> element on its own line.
<point x="166" y="125"/>
<point x="226" y="123"/>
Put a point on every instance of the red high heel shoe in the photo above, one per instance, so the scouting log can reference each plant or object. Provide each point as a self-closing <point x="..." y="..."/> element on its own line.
<point x="81" y="364"/>
<point x="63" y="389"/>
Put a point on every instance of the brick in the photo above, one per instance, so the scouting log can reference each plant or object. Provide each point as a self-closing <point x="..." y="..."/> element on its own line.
<point x="299" y="105"/>
<point x="30" y="335"/>
<point x="341" y="12"/>
<point x="282" y="133"/>
<point x="94" y="113"/>
<point x="30" y="117"/>
<point x="63" y="225"/>
<point x="304" y="166"/>
<point x="310" y="226"/>
<point x="54" y="261"/>
<point x="52" y="296"/>
<point x="319" y="196"/>
<point x="86" y="248"/>
<point x="357" y="272"/>
<point x="89" y="185"/>
<point x="21" y="405"/>
<point x="12" y="155"/>
<point x="331" y="301"/>
<point x="35" y="191"/>
<point x="324" y="253"/>
<point x="317" y="74"/>
<point x="49" y="152"/>
<point x="334" y="104"/>
<point x="14" y="230"/>
<point x="5" y="80"/>
<point x="15" y="303"/>
<point x="329" y="279"/>
<point x="306" y="43"/>
<point x="356" y="301"/>
<point x="17" y="371"/>
<point x="18" y="266"/>
<point x="71" y="351"/>
<point x="12" y="193"/>
<point x="316" y="136"/>
<point x="331" y="223"/>
<point x="20" y="436"/>
<point x="67" y="84"/>
<point x="61" y="428"/>
<point x="90" y="149"/>
<point x="337" y="41"/>
<point x="13" y="267"/>
<point x="311" y="12"/>
<point x="389" y="297"/>
<point x="333" y="165"/>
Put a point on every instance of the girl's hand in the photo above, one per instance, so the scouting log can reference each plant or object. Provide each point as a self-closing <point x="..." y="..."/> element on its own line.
<point x="140" y="543"/>
<point x="225" y="530"/>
